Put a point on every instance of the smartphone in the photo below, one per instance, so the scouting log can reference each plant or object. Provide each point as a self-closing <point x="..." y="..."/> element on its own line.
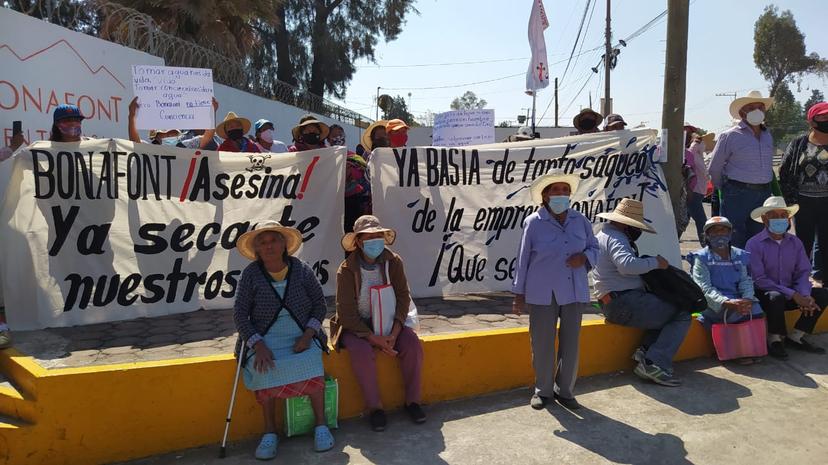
<point x="17" y="127"/>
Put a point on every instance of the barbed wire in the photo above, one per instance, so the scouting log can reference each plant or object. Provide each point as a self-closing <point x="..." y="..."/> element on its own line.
<point x="129" y="27"/>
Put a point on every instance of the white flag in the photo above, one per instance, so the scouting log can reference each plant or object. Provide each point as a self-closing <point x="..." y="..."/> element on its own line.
<point x="537" y="76"/>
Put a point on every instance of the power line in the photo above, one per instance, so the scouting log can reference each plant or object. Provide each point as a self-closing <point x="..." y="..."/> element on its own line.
<point x="577" y="38"/>
<point x="455" y="85"/>
<point x="586" y="32"/>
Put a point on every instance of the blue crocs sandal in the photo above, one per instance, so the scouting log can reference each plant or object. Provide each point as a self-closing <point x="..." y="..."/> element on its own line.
<point x="267" y="447"/>
<point x="323" y="439"/>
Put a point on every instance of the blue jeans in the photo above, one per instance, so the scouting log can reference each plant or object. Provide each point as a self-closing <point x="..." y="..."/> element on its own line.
<point x="665" y="325"/>
<point x="696" y="210"/>
<point x="737" y="203"/>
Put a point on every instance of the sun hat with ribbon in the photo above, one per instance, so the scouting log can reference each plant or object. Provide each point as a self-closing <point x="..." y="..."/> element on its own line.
<point x="246" y="242"/>
<point x="538" y="185"/>
<point x="629" y="212"/>
<point x="324" y="129"/>
<point x="232" y="116"/>
<point x="753" y="96"/>
<point x="367" y="224"/>
<point x="773" y="203"/>
<point x="365" y="139"/>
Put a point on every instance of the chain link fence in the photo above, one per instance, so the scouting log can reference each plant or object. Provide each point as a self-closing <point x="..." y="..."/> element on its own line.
<point x="131" y="28"/>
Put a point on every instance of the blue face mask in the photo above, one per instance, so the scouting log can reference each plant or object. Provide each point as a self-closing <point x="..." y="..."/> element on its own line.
<point x="172" y="140"/>
<point x="373" y="248"/>
<point x="558" y="203"/>
<point x="778" y="225"/>
<point x="719" y="242"/>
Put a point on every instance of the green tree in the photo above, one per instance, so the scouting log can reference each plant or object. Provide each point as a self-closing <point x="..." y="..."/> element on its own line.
<point x="779" y="49"/>
<point x="399" y="110"/>
<point x="468" y="101"/>
<point x="816" y="97"/>
<point x="785" y="119"/>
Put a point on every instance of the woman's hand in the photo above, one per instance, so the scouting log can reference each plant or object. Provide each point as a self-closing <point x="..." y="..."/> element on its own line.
<point x="519" y="304"/>
<point x="263" y="360"/>
<point x="383" y="343"/>
<point x="133" y="107"/>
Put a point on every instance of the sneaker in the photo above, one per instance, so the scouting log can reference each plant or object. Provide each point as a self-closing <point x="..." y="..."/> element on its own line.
<point x="5" y="339"/>
<point x="804" y="346"/>
<point x="267" y="447"/>
<point x="639" y="355"/>
<point x="653" y="373"/>
<point x="568" y="402"/>
<point x="537" y="402"/>
<point x="378" y="420"/>
<point x="322" y="439"/>
<point x="415" y="412"/>
<point x="776" y="349"/>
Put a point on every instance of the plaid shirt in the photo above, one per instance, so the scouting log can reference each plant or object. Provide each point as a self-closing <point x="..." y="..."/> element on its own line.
<point x="257" y="303"/>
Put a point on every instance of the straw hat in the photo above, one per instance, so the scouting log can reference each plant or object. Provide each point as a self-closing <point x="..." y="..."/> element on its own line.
<point x="752" y="97"/>
<point x="576" y="121"/>
<point x="323" y="129"/>
<point x="366" y="135"/>
<point x="773" y="203"/>
<point x="709" y="141"/>
<point x="538" y="185"/>
<point x="232" y="116"/>
<point x="293" y="238"/>
<point x="629" y="212"/>
<point x="155" y="132"/>
<point x="366" y="224"/>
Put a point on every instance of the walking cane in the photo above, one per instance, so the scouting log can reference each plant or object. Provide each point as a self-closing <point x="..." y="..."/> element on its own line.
<point x="223" y="449"/>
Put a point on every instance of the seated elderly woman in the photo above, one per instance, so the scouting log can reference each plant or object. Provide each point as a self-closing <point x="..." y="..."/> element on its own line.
<point x="721" y="270"/>
<point x="370" y="264"/>
<point x="278" y="312"/>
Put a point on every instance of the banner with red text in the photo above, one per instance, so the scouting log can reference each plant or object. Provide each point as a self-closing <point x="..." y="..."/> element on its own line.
<point x="106" y="229"/>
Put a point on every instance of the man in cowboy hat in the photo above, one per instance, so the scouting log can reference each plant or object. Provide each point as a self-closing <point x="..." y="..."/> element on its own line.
<point x="742" y="165"/>
<point x="624" y="301"/>
<point x="587" y="121"/>
<point x="781" y="271"/>
<point x="232" y="130"/>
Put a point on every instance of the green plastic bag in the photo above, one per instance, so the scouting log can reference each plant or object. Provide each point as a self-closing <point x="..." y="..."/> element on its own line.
<point x="299" y="417"/>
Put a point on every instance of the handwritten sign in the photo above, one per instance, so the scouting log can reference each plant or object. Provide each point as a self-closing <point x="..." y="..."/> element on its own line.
<point x="463" y="128"/>
<point x="172" y="97"/>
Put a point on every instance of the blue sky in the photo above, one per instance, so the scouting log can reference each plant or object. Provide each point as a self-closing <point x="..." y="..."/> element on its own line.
<point x="720" y="57"/>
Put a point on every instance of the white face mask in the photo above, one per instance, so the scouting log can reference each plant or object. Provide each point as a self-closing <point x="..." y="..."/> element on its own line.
<point x="755" y="117"/>
<point x="267" y="135"/>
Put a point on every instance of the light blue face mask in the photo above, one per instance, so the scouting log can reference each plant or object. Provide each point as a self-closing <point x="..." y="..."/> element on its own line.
<point x="558" y="203"/>
<point x="778" y="225"/>
<point x="172" y="140"/>
<point x="373" y="247"/>
<point x="719" y="242"/>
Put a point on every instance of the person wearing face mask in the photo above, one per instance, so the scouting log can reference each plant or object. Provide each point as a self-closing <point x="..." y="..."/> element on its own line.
<point x="587" y="121"/>
<point x="556" y="252"/>
<point x="624" y="300"/>
<point x="264" y="130"/>
<point x="781" y="271"/>
<point x="741" y="165"/>
<point x="169" y="137"/>
<point x="372" y="263"/>
<point x="66" y="124"/>
<point x="803" y="178"/>
<point x="722" y="272"/>
<point x="374" y="136"/>
<point x="397" y="132"/>
<point x="309" y="134"/>
<point x="357" y="181"/>
<point x="232" y="130"/>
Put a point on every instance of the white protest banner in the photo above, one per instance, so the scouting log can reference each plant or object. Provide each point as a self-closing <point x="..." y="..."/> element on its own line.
<point x="458" y="212"/>
<point x="173" y="97"/>
<point x="106" y="230"/>
<point x="463" y="127"/>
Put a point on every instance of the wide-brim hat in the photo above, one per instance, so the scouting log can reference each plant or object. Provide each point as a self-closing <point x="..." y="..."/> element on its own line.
<point x="365" y="139"/>
<point x="538" y="185"/>
<point x="576" y="121"/>
<point x="232" y="116"/>
<point x="324" y="129"/>
<point x="395" y="125"/>
<point x="773" y="203"/>
<point x="709" y="140"/>
<point x="752" y="97"/>
<point x="367" y="224"/>
<point x="629" y="212"/>
<point x="155" y="132"/>
<point x="293" y="238"/>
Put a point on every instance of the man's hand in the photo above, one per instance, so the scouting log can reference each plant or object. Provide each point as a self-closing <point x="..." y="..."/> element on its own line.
<point x="663" y="264"/>
<point x="263" y="360"/>
<point x="215" y="105"/>
<point x="807" y="304"/>
<point x="519" y="304"/>
<point x="576" y="260"/>
<point x="133" y="107"/>
<point x="16" y="141"/>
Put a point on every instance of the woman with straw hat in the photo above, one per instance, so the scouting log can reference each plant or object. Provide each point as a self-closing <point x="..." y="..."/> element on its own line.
<point x="375" y="136"/>
<point x="624" y="301"/>
<point x="372" y="263"/>
<point x="556" y="251"/>
<point x="233" y="130"/>
<point x="278" y="312"/>
<point x="309" y="134"/>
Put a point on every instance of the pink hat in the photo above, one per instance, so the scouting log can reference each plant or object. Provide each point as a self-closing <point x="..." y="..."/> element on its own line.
<point x="817" y="109"/>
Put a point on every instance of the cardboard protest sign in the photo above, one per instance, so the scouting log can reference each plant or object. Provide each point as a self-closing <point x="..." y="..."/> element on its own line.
<point x="463" y="128"/>
<point x="106" y="230"/>
<point x="458" y="212"/>
<point x="172" y="97"/>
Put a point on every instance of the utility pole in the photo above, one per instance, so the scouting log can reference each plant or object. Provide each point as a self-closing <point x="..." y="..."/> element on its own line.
<point x="534" y="99"/>
<point x="556" y="102"/>
<point x="675" y="87"/>
<point x="607" y="63"/>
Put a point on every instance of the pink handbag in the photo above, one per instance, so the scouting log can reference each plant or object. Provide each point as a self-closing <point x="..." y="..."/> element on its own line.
<point x="740" y="340"/>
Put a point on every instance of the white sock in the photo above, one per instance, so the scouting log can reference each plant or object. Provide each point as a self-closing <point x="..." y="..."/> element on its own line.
<point x="4" y="327"/>
<point x="774" y="338"/>
<point x="796" y="335"/>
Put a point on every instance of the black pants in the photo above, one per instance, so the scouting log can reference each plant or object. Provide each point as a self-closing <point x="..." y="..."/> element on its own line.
<point x="775" y="304"/>
<point x="812" y="223"/>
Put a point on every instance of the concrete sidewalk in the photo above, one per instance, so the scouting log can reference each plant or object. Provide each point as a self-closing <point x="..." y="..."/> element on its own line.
<point x="770" y="413"/>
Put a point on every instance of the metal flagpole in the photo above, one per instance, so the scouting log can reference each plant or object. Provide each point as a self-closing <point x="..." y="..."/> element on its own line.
<point x="534" y="99"/>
